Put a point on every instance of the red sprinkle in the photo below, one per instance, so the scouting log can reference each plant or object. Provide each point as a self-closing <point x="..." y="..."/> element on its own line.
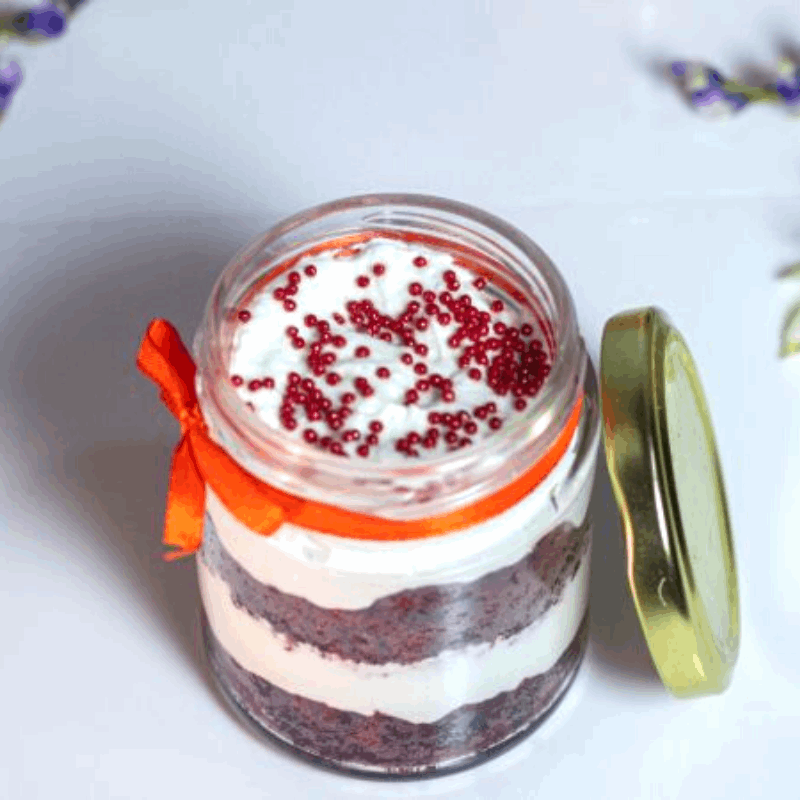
<point x="497" y="306"/>
<point x="479" y="283"/>
<point x="420" y="261"/>
<point x="362" y="352"/>
<point x="362" y="281"/>
<point x="495" y="423"/>
<point x="310" y="270"/>
<point x="310" y="435"/>
<point x="382" y="372"/>
<point x="254" y="386"/>
<point x="376" y="426"/>
<point x="415" y="289"/>
<point x="289" y="305"/>
<point x="237" y="380"/>
<point x="244" y="316"/>
<point x="378" y="269"/>
<point x="363" y="450"/>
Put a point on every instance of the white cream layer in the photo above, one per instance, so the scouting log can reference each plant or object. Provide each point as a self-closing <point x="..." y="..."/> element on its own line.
<point x="262" y="349"/>
<point x="334" y="572"/>
<point x="422" y="692"/>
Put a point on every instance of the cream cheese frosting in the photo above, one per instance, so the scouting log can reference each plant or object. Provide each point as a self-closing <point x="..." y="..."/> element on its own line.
<point x="421" y="692"/>
<point x="272" y="343"/>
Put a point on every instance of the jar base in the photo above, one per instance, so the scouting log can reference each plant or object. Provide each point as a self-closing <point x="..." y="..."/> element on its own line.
<point x="213" y="651"/>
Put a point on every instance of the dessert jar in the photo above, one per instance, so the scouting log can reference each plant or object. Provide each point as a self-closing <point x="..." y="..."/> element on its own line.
<point x="438" y="642"/>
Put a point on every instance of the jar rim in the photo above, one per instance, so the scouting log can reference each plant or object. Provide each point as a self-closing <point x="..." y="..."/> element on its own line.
<point x="532" y="431"/>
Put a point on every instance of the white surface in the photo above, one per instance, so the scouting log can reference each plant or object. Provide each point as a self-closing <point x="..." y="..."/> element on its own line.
<point x="148" y="144"/>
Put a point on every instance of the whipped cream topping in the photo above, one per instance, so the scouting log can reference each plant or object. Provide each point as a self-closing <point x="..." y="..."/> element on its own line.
<point x="394" y="355"/>
<point x="421" y="692"/>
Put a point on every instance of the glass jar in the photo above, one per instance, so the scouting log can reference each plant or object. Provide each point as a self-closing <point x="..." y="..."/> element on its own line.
<point x="421" y="656"/>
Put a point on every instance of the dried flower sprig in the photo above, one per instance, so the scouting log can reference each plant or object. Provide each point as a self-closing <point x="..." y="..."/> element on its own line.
<point x="790" y="335"/>
<point x="47" y="21"/>
<point x="787" y="84"/>
<point x="712" y="94"/>
<point x="10" y="79"/>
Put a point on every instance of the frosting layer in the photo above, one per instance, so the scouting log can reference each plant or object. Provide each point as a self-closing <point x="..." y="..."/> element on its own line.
<point x="334" y="572"/>
<point x="384" y="744"/>
<point x="423" y="691"/>
<point x="415" y="624"/>
<point x="404" y="336"/>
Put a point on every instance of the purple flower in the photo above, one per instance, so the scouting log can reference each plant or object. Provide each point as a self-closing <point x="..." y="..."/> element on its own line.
<point x="706" y="89"/>
<point x="788" y="83"/>
<point x="46" y="20"/>
<point x="735" y="101"/>
<point x="678" y="68"/>
<point x="10" y="79"/>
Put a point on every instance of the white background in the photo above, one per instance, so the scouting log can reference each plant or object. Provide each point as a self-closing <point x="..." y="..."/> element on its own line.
<point x="148" y="144"/>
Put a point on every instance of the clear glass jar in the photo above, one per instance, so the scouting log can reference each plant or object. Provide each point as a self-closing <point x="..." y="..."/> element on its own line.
<point x="416" y="657"/>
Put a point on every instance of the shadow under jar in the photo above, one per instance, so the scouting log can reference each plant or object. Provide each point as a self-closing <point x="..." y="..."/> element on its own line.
<point x="400" y="657"/>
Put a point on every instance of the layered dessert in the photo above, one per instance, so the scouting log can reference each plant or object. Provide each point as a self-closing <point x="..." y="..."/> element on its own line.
<point x="396" y="657"/>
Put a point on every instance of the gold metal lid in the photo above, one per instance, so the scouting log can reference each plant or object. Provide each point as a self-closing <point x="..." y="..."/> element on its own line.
<point x="667" y="481"/>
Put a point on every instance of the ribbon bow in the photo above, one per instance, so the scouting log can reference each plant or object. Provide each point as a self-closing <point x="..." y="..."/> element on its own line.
<point x="198" y="461"/>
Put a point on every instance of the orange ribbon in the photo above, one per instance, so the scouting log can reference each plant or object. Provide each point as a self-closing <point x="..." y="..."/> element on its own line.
<point x="198" y="461"/>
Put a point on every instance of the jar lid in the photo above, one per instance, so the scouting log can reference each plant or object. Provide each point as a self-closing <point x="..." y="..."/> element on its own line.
<point x="667" y="481"/>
